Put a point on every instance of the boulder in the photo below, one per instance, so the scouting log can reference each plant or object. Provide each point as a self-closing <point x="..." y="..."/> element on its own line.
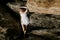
<point x="44" y="6"/>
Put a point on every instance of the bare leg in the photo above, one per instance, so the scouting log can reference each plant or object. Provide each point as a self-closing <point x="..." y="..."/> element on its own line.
<point x="24" y="27"/>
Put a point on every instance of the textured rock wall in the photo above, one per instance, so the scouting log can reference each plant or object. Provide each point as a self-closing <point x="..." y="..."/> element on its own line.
<point x="44" y="6"/>
<point x="42" y="26"/>
<point x="9" y="22"/>
<point x="45" y="20"/>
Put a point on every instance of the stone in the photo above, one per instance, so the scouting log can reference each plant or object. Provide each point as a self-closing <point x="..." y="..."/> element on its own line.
<point x="44" y="6"/>
<point x="45" y="20"/>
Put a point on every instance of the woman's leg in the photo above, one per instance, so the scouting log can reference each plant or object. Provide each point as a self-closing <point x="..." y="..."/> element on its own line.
<point x="24" y="27"/>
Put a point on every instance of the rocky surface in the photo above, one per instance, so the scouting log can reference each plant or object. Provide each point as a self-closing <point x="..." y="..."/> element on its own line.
<point x="9" y="22"/>
<point x="45" y="26"/>
<point x="45" y="20"/>
<point x="42" y="26"/>
<point x="44" y="6"/>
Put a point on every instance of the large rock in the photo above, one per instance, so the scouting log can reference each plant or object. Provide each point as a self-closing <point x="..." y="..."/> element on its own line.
<point x="44" y="6"/>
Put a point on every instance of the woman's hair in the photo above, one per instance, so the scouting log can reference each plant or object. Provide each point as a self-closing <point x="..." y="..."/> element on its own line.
<point x="23" y="9"/>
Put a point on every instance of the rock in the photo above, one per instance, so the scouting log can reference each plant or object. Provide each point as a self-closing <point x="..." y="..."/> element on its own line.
<point x="2" y="33"/>
<point x="42" y="26"/>
<point x="45" y="20"/>
<point x="14" y="6"/>
<point x="42" y="32"/>
<point x="45" y="25"/>
<point x="44" y="6"/>
<point x="9" y="20"/>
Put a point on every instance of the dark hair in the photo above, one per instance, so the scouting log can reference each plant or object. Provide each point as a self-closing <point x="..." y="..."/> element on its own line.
<point x="23" y="9"/>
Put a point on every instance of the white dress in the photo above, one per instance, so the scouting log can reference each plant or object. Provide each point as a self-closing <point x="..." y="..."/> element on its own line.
<point x="24" y="18"/>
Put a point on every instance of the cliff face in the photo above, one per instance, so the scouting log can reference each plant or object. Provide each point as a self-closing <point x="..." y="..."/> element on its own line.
<point x="44" y="6"/>
<point x="42" y="26"/>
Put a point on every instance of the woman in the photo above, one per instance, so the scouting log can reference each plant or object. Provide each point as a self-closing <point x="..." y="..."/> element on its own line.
<point x="24" y="18"/>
